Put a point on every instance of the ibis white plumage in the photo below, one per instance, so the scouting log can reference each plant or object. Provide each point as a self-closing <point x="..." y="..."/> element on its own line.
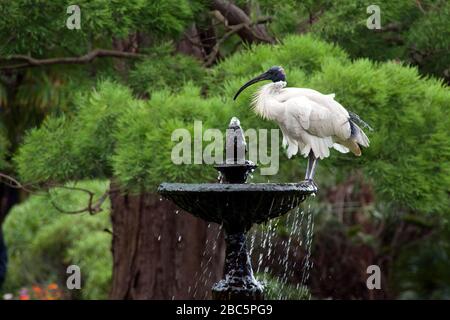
<point x="311" y="122"/>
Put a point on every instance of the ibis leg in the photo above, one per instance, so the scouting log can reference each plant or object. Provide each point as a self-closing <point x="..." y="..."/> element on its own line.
<point x="311" y="169"/>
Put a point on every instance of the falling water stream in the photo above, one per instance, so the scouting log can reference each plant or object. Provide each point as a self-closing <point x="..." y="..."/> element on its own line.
<point x="288" y="253"/>
<point x="298" y="229"/>
<point x="204" y="275"/>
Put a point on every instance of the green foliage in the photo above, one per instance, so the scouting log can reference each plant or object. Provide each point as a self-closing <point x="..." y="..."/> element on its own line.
<point x="42" y="241"/>
<point x="411" y="273"/>
<point x="289" y="16"/>
<point x="95" y="125"/>
<point x="276" y="290"/>
<point x="40" y="93"/>
<point x="163" y="69"/>
<point x="144" y="145"/>
<point x="415" y="32"/>
<point x="407" y="161"/>
<point x="46" y="153"/>
<point x="76" y="147"/>
<point x="429" y="35"/>
<point x="304" y="54"/>
<point x="27" y="30"/>
<point x="4" y="149"/>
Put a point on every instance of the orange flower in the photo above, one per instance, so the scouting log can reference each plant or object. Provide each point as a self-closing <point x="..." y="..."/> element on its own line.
<point x="24" y="297"/>
<point x="37" y="289"/>
<point x="52" y="286"/>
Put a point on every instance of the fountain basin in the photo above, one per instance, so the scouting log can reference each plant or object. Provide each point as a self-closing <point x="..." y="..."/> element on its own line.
<point x="237" y="206"/>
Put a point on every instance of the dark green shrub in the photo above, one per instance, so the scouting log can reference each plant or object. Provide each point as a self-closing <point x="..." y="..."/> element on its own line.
<point x="42" y="242"/>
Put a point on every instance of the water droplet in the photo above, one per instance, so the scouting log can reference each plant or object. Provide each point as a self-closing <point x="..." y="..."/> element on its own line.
<point x="159" y="238"/>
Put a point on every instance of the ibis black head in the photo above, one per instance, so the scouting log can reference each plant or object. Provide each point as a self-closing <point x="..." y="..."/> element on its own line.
<point x="274" y="74"/>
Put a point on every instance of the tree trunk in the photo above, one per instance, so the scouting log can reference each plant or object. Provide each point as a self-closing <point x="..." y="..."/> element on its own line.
<point x="8" y="198"/>
<point x="161" y="254"/>
<point x="235" y="15"/>
<point x="191" y="44"/>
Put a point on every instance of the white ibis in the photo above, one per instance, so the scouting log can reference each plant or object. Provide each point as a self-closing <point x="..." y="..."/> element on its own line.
<point x="311" y="122"/>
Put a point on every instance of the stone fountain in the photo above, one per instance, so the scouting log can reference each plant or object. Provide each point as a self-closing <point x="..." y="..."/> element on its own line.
<point x="237" y="206"/>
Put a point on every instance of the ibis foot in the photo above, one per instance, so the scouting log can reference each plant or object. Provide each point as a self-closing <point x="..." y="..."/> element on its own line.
<point x="311" y="182"/>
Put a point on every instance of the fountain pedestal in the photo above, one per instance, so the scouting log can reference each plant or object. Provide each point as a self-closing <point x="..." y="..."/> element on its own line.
<point x="239" y="283"/>
<point x="236" y="206"/>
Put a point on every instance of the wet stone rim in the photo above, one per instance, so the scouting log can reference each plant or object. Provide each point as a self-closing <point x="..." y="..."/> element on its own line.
<point x="304" y="187"/>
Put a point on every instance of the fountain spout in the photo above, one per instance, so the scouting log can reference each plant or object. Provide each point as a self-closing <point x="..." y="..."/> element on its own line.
<point x="235" y="169"/>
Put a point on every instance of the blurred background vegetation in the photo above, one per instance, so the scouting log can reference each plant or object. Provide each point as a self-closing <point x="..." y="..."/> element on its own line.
<point x="85" y="123"/>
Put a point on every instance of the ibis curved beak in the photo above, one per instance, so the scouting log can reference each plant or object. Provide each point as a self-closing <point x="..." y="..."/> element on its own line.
<point x="261" y="77"/>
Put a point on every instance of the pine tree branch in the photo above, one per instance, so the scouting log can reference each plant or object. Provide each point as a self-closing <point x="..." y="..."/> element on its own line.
<point x="13" y="183"/>
<point x="28" y="61"/>
<point x="419" y="5"/>
<point x="236" y="16"/>
<point x="232" y="29"/>
<point x="91" y="207"/>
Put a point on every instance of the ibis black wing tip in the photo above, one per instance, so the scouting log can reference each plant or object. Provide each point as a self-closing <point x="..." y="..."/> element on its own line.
<point x="356" y="118"/>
